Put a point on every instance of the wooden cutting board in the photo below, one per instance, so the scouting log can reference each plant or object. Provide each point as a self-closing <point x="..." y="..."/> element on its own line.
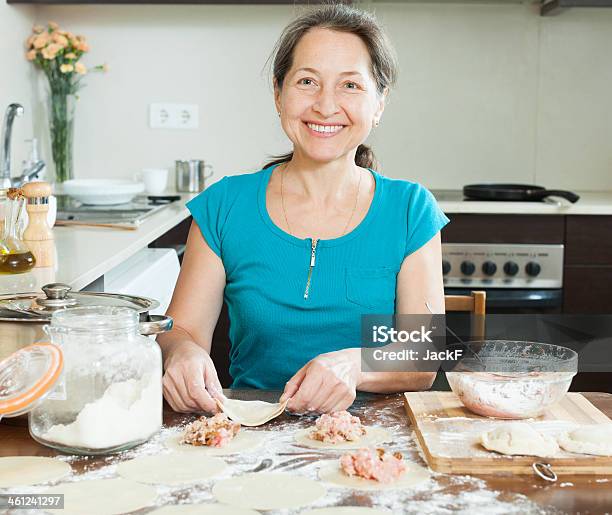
<point x="449" y="436"/>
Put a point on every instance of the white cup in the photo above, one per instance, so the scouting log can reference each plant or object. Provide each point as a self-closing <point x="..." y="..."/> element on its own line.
<point x="155" y="179"/>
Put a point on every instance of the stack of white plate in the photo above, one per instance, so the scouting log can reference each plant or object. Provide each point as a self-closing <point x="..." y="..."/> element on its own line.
<point x="102" y="191"/>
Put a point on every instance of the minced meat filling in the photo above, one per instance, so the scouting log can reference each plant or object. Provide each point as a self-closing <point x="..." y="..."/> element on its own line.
<point x="374" y="464"/>
<point x="337" y="427"/>
<point x="216" y="431"/>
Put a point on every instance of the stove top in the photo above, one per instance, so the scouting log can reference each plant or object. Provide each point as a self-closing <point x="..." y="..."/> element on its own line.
<point x="502" y="265"/>
<point x="457" y="196"/>
<point x="130" y="214"/>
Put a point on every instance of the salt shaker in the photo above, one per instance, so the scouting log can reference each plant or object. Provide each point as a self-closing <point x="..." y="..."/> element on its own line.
<point x="38" y="235"/>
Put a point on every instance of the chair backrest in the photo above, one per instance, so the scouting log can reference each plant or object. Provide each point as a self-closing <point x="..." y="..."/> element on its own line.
<point x="475" y="303"/>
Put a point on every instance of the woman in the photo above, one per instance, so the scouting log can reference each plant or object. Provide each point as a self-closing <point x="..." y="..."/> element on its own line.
<point x="304" y="247"/>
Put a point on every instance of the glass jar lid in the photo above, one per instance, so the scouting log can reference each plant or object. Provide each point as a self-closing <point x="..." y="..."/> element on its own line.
<point x="96" y="319"/>
<point x="27" y="376"/>
<point x="39" y="307"/>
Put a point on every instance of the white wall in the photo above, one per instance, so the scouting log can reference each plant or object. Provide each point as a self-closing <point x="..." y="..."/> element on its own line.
<point x="15" y="75"/>
<point x="487" y="91"/>
<point x="208" y="55"/>
<point x="498" y="93"/>
<point x="574" y="140"/>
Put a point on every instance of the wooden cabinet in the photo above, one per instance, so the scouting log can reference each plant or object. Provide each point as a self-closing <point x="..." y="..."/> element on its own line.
<point x="588" y="241"/>
<point x="587" y="274"/>
<point x="587" y="289"/>
<point x="477" y="228"/>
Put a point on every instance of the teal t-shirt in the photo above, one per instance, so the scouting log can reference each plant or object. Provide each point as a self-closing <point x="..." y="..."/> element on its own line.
<point x="274" y="327"/>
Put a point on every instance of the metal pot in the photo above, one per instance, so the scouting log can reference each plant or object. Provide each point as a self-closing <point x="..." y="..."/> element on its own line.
<point x="23" y="315"/>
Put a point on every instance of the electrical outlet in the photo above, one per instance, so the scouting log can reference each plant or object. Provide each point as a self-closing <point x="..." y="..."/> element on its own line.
<point x="159" y="116"/>
<point x="187" y="116"/>
<point x="173" y="116"/>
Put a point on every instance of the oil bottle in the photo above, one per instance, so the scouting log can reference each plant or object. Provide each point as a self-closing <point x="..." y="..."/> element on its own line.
<point x="15" y="256"/>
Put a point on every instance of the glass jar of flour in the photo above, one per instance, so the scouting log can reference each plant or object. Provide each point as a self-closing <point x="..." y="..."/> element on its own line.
<point x="109" y="397"/>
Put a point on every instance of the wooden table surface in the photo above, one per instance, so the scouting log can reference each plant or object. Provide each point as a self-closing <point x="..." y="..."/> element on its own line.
<point x="571" y="494"/>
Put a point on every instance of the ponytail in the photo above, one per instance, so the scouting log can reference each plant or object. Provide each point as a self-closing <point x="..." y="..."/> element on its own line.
<point x="277" y="160"/>
<point x="364" y="157"/>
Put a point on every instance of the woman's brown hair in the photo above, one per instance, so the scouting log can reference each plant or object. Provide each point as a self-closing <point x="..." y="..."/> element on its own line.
<point x="342" y="18"/>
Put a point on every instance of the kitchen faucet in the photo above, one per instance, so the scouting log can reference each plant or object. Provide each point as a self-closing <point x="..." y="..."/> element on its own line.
<point x="6" y="181"/>
<point x="5" y="156"/>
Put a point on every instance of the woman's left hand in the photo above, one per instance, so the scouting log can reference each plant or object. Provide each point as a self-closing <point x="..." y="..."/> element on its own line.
<point x="326" y="383"/>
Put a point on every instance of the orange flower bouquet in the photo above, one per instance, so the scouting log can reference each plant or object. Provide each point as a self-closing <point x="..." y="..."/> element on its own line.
<point x="57" y="53"/>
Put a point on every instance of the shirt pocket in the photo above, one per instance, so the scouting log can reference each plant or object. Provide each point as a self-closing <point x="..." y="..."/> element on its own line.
<point x="372" y="287"/>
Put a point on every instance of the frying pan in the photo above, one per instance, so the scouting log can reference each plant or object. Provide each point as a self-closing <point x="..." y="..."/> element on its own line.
<point x="516" y="192"/>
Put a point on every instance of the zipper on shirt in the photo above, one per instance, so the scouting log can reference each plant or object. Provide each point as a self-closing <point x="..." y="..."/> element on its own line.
<point x="313" y="258"/>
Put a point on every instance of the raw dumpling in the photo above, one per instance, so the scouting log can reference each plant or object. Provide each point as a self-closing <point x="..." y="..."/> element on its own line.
<point x="594" y="439"/>
<point x="519" y="438"/>
<point x="251" y="413"/>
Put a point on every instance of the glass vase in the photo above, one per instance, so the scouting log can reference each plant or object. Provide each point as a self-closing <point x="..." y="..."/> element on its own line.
<point x="61" y="127"/>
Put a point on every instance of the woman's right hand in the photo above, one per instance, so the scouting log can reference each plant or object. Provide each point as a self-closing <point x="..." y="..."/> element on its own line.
<point x="190" y="380"/>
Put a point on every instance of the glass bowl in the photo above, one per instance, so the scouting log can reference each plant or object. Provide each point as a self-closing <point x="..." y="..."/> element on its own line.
<point x="512" y="379"/>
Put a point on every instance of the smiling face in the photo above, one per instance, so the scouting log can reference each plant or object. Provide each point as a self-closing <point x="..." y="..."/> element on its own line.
<point x="328" y="101"/>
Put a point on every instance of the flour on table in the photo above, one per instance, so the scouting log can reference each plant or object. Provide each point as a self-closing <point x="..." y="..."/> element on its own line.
<point x="346" y="510"/>
<point x="441" y="494"/>
<point x="203" y="509"/>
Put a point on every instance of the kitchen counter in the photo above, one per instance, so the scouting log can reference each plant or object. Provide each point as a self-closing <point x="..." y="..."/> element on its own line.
<point x="590" y="203"/>
<point x="86" y="253"/>
<point x="445" y="493"/>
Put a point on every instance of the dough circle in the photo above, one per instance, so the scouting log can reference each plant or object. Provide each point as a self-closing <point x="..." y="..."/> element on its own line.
<point x="346" y="510"/>
<point x="31" y="470"/>
<point x="332" y="473"/>
<point x="373" y="436"/>
<point x="268" y="491"/>
<point x="171" y="469"/>
<point x="519" y="438"/>
<point x="104" y="496"/>
<point x="594" y="439"/>
<point x="244" y="441"/>
<point x="203" y="509"/>
<point x="251" y="413"/>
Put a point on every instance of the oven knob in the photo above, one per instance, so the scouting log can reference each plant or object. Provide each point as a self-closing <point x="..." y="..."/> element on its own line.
<point x="532" y="268"/>
<point x="446" y="267"/>
<point x="489" y="268"/>
<point x="511" y="268"/>
<point x="467" y="268"/>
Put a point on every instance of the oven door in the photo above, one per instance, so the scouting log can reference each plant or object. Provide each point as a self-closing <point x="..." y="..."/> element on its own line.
<point x="506" y="300"/>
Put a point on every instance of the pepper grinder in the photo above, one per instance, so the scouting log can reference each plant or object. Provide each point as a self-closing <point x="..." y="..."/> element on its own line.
<point x="38" y="235"/>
